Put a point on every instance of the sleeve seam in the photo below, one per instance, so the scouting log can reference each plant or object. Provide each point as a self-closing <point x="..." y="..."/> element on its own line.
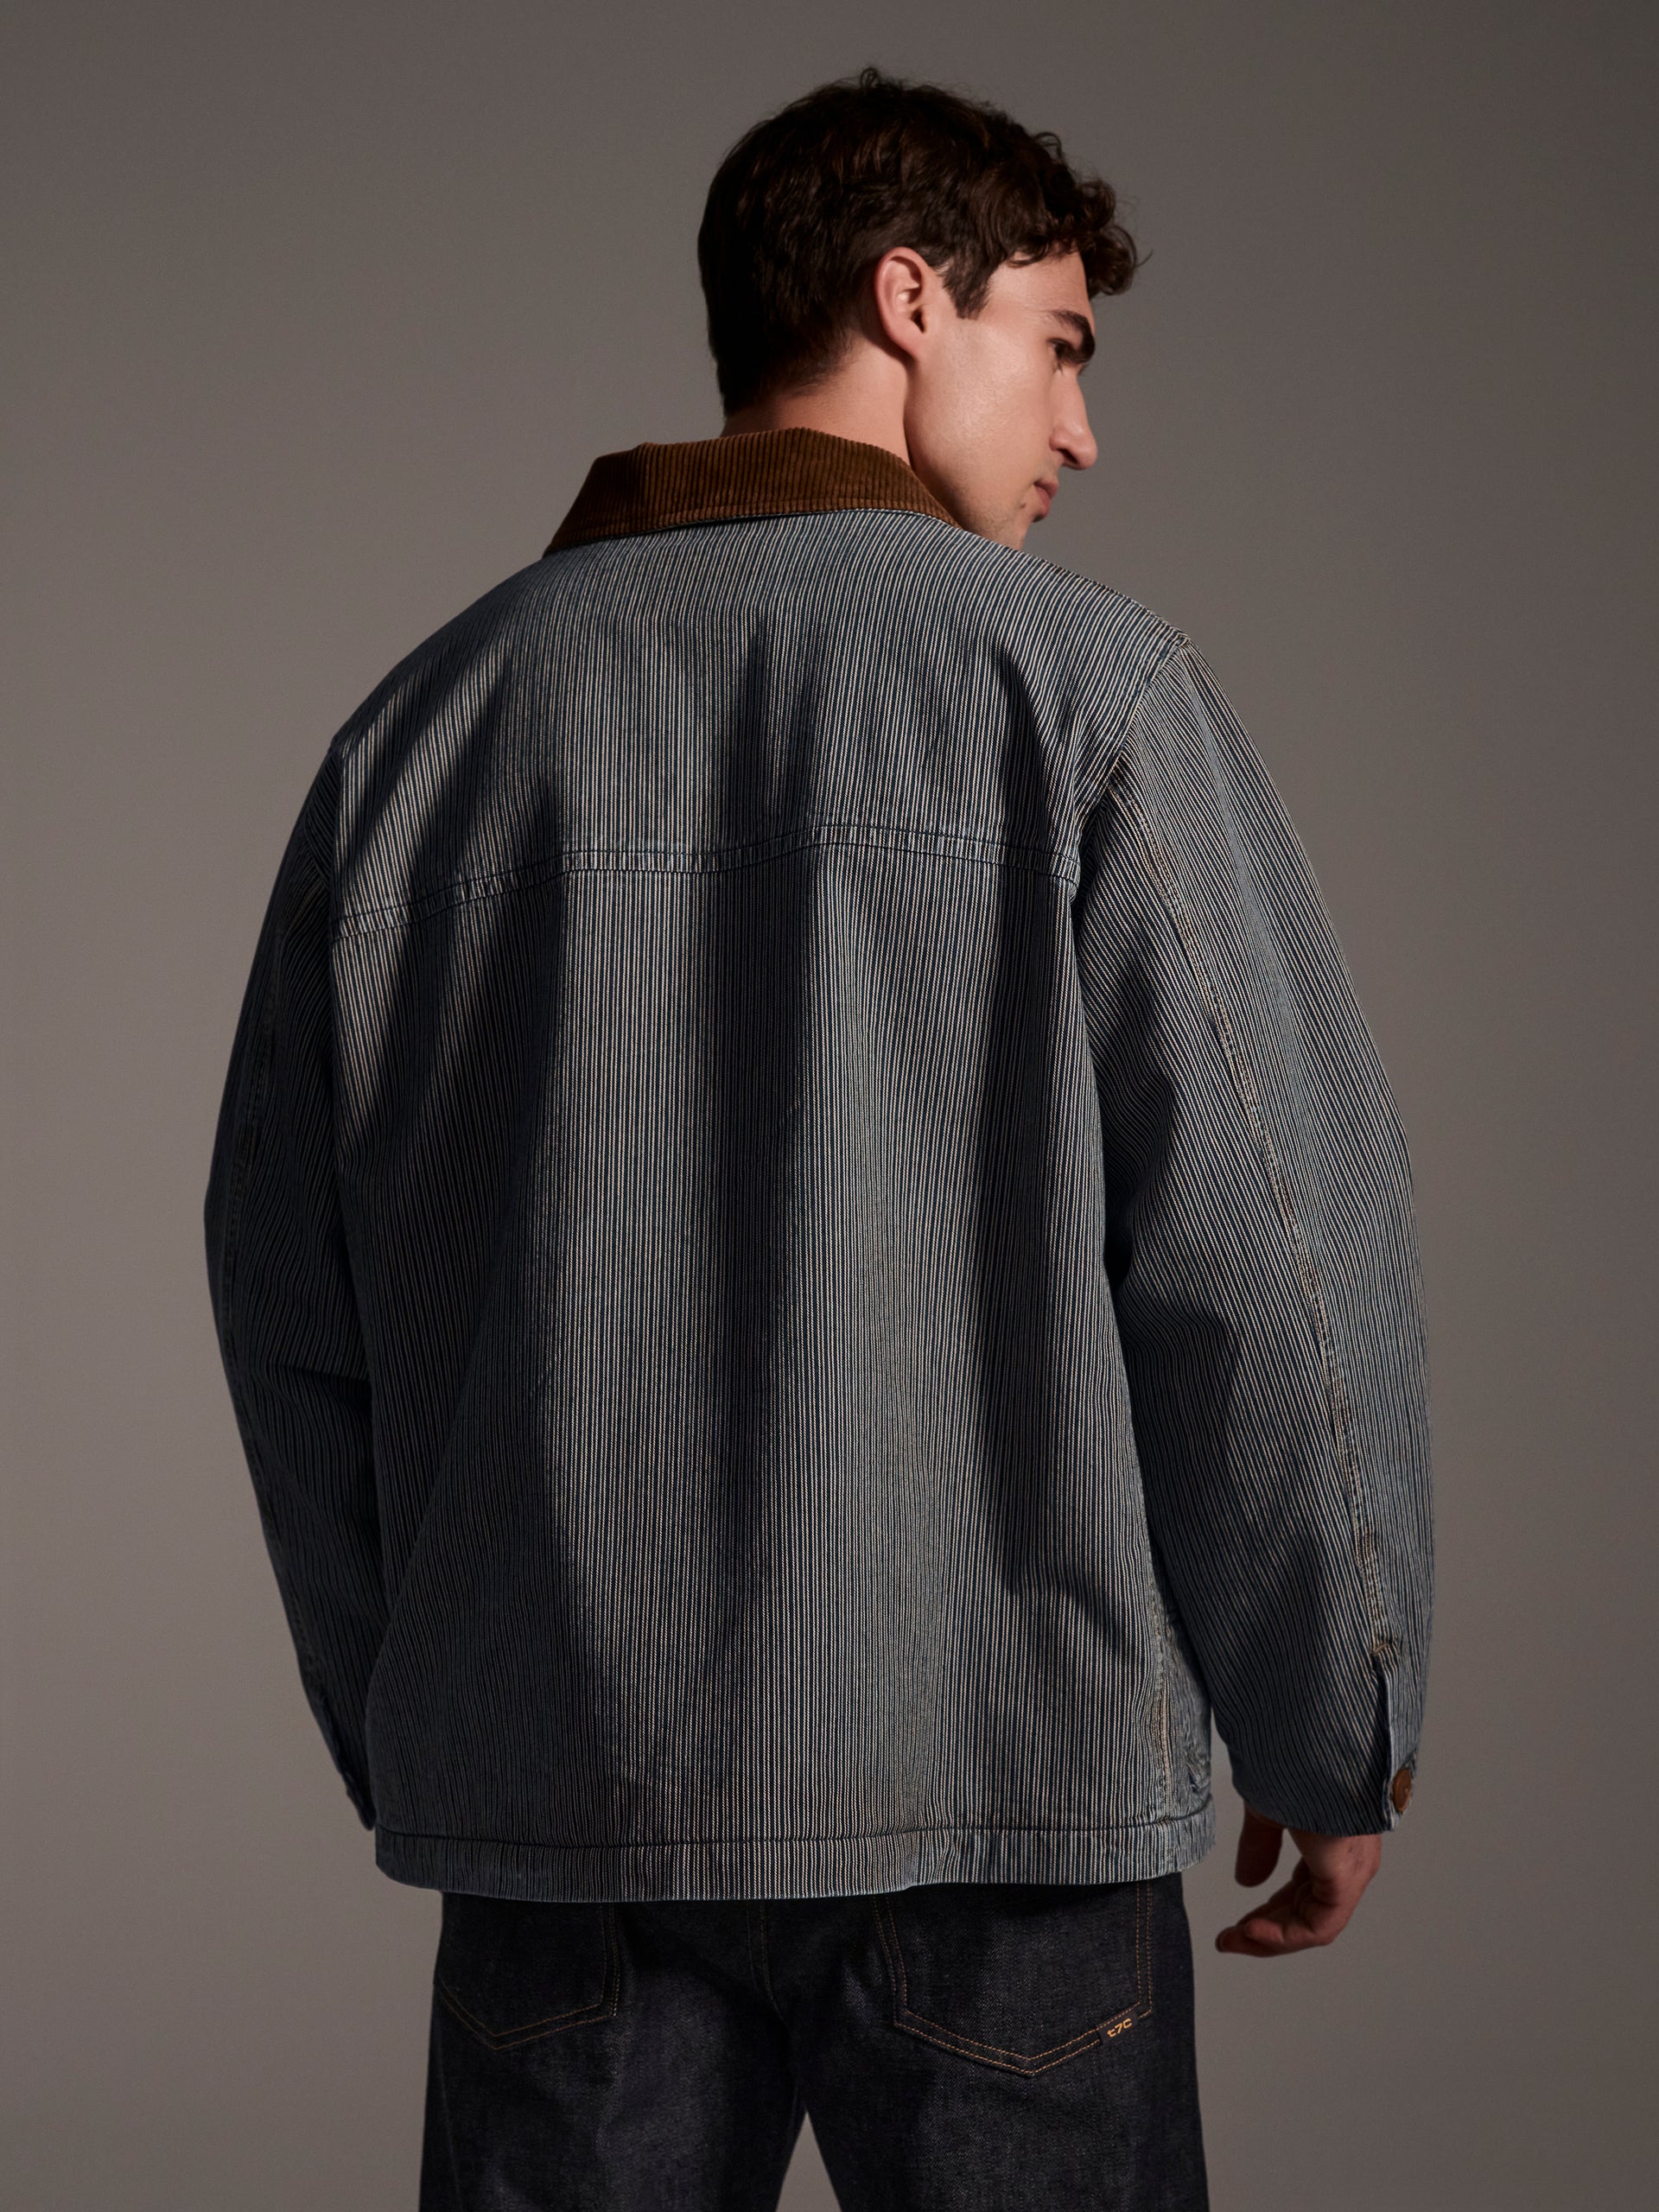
<point x="1364" y="1546"/>
<point x="1116" y="747"/>
<point x="320" y="857"/>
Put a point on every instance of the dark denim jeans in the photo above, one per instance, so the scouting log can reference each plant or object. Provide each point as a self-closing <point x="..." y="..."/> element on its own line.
<point x="958" y="2045"/>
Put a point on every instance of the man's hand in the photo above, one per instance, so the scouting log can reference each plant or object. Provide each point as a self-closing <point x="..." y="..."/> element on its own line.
<point x="1315" y="1904"/>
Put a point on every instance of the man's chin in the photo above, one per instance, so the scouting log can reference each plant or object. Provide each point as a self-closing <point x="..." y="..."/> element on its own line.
<point x="1005" y="529"/>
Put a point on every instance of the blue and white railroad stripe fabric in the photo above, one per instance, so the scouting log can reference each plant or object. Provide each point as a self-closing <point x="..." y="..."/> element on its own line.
<point x="813" y="1256"/>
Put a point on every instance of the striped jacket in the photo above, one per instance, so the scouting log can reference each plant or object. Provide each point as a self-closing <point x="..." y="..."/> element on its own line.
<point x="812" y="1254"/>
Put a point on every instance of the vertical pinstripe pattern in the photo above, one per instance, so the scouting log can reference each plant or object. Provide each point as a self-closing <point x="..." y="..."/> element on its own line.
<point x="811" y="1251"/>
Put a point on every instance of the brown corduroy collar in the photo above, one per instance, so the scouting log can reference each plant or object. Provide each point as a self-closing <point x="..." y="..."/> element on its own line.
<point x="723" y="480"/>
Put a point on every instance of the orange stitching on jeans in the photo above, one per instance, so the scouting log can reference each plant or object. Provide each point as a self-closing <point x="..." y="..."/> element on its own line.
<point x="1113" y="2024"/>
<point x="964" y="2047"/>
<point x="550" y="2023"/>
<point x="550" y="2020"/>
<point x="532" y="2031"/>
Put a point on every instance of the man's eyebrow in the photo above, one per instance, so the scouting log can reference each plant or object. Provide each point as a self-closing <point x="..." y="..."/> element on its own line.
<point x="1080" y="325"/>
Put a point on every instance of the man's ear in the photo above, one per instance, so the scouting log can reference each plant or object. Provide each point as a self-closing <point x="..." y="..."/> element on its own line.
<point x="907" y="295"/>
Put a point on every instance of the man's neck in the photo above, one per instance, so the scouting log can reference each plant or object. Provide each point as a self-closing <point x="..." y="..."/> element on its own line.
<point x="844" y="408"/>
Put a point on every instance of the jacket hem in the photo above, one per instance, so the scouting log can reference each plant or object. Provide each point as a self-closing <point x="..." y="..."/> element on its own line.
<point x="793" y="1866"/>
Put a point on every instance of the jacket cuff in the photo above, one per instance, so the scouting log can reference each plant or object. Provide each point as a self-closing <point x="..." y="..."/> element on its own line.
<point x="1328" y="1803"/>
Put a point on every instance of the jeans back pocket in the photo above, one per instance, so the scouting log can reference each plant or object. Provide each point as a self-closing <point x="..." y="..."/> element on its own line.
<point x="1019" y="1975"/>
<point x="511" y="1971"/>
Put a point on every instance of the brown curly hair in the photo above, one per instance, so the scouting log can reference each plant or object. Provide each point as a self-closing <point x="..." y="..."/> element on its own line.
<point x="807" y="202"/>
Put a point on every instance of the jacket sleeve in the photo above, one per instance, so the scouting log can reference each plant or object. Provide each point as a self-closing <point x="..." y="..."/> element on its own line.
<point x="1261" y="1248"/>
<point x="284" y="1308"/>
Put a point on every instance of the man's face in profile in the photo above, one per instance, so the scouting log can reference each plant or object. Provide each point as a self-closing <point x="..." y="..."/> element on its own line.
<point x="995" y="410"/>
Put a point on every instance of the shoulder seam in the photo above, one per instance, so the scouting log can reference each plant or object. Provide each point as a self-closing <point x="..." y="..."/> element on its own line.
<point x="1115" y="751"/>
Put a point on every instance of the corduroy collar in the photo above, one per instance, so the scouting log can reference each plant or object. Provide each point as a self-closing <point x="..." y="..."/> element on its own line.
<point x="723" y="480"/>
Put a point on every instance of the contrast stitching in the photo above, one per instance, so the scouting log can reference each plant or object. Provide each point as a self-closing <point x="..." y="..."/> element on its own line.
<point x="601" y="2007"/>
<point x="549" y="2025"/>
<point x="964" y="2048"/>
<point x="1027" y="2061"/>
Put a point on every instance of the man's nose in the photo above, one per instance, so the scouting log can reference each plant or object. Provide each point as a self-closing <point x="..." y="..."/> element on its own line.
<point x="1073" y="439"/>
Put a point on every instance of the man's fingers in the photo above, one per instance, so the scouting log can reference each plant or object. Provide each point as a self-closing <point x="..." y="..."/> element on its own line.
<point x="1284" y="1924"/>
<point x="1259" y="1843"/>
<point x="1259" y="1933"/>
<point x="1309" y="1910"/>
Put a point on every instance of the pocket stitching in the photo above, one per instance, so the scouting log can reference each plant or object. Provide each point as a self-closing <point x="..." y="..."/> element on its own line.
<point x="602" y="2007"/>
<point x="1011" y="2062"/>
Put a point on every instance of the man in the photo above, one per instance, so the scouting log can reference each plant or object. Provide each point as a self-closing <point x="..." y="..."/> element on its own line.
<point x="815" y="1263"/>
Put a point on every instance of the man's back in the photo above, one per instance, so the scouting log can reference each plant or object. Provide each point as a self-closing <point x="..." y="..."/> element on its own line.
<point x="873" y="1258"/>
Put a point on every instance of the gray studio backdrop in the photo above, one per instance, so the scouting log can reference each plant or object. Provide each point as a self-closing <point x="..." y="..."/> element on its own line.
<point x="315" y="315"/>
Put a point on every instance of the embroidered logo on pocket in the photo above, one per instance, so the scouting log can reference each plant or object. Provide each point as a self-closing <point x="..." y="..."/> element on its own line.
<point x="513" y="1972"/>
<point x="1019" y="1975"/>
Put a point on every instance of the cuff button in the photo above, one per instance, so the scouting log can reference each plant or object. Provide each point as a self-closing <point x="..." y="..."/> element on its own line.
<point x="1400" y="1789"/>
